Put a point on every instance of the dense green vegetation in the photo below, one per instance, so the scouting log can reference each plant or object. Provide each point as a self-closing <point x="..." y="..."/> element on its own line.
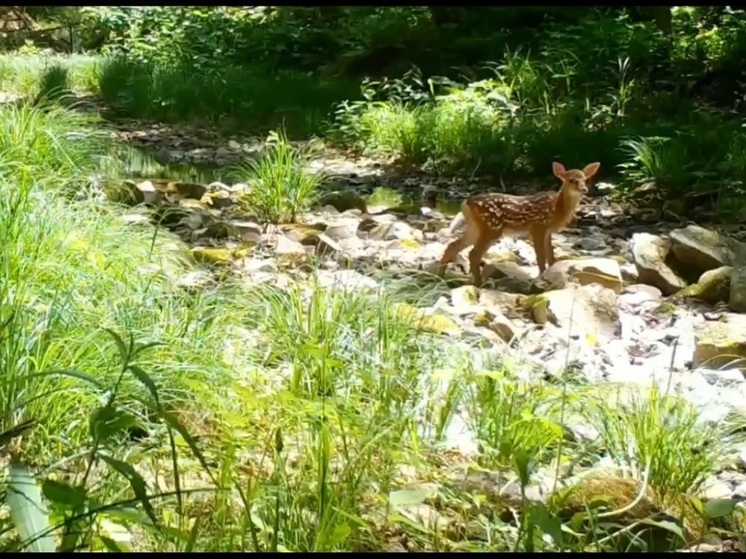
<point x="232" y="418"/>
<point x="515" y="88"/>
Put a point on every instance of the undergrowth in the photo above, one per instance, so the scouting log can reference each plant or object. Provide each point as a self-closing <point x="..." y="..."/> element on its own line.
<point x="312" y="418"/>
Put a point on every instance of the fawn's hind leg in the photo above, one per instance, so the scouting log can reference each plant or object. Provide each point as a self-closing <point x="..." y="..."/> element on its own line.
<point x="549" y="250"/>
<point x="475" y="255"/>
<point x="451" y="252"/>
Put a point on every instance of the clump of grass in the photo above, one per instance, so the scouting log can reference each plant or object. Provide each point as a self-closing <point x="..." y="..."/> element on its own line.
<point x="61" y="264"/>
<point x="57" y="147"/>
<point x="393" y="129"/>
<point x="659" y="433"/>
<point x="54" y="83"/>
<point x="689" y="159"/>
<point x="513" y="422"/>
<point x="34" y="74"/>
<point x="282" y="186"/>
<point x="338" y="391"/>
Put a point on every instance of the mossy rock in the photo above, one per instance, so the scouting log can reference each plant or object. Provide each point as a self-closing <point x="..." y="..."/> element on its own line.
<point x="384" y="196"/>
<point x="343" y="201"/>
<point x="713" y="286"/>
<point x="535" y="306"/>
<point x="409" y="244"/>
<point x="192" y="204"/>
<point x="666" y="308"/>
<point x="435" y="323"/>
<point x="721" y="344"/>
<point x="191" y="190"/>
<point x="605" y="492"/>
<point x="212" y="255"/>
<point x="219" y="199"/>
<point x="483" y="318"/>
<point x="122" y="192"/>
<point x="303" y="233"/>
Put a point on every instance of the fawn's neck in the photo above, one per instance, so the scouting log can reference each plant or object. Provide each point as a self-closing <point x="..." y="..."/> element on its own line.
<point x="567" y="202"/>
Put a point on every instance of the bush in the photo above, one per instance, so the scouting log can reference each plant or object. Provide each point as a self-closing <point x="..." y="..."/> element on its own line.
<point x="233" y="98"/>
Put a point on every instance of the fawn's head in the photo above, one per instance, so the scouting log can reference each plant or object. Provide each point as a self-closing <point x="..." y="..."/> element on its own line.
<point x="574" y="180"/>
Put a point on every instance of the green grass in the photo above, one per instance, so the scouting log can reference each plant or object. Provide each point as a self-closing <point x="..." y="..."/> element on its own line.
<point x="31" y="73"/>
<point x="512" y="123"/>
<point x="281" y="185"/>
<point x="234" y="99"/>
<point x="487" y="127"/>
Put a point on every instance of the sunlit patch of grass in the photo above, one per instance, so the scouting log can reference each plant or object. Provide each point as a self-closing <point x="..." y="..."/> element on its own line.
<point x="30" y="74"/>
<point x="281" y="186"/>
<point x="655" y="431"/>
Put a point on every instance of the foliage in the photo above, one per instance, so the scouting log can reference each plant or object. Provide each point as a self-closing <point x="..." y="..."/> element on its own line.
<point x="516" y="89"/>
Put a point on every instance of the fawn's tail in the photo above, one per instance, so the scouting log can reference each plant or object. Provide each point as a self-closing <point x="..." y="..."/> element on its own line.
<point x="456" y="225"/>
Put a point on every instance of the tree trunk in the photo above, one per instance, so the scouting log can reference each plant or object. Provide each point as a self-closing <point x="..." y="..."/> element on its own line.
<point x="664" y="19"/>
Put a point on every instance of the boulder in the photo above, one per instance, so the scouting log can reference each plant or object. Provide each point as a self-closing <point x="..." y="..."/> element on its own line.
<point x="698" y="250"/>
<point x="585" y="271"/>
<point x="712" y="287"/>
<point x="737" y="299"/>
<point x="721" y="344"/>
<point x="579" y="311"/>
<point x="649" y="253"/>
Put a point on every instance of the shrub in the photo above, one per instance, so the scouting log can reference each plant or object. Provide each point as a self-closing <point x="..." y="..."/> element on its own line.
<point x="232" y="97"/>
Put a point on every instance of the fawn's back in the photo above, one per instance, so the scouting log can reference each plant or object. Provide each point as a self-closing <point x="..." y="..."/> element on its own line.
<point x="516" y="214"/>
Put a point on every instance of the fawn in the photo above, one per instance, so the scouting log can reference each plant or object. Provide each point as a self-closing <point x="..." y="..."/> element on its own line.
<point x="490" y="216"/>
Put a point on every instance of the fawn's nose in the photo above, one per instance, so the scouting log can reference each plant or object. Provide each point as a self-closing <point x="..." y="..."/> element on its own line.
<point x="583" y="188"/>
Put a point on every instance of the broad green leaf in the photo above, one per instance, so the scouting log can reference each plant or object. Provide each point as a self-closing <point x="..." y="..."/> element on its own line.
<point x="718" y="508"/>
<point x="146" y="380"/>
<point x="136" y="482"/>
<point x="111" y="545"/>
<point x="107" y="421"/>
<point x="124" y="351"/>
<point x="27" y="510"/>
<point x="539" y="516"/>
<point x="665" y="525"/>
<point x="405" y="497"/>
<point x="64" y="494"/>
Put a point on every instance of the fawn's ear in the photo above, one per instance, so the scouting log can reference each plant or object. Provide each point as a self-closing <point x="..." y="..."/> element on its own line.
<point x="591" y="169"/>
<point x="559" y="170"/>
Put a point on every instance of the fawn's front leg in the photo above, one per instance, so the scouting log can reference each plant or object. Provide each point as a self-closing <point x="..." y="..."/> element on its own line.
<point x="548" y="250"/>
<point x="540" y="240"/>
